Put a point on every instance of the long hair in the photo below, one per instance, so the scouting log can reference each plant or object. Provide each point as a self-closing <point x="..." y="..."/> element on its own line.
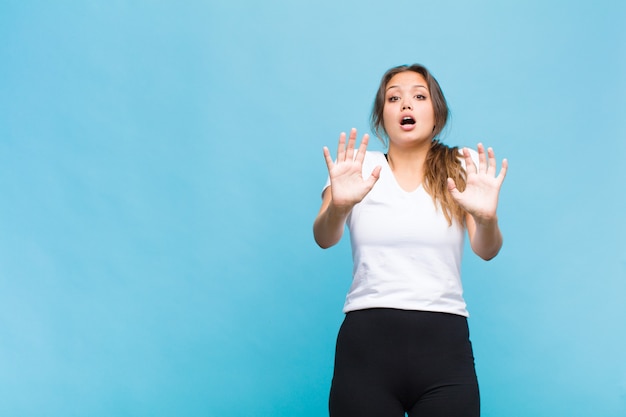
<point x="442" y="161"/>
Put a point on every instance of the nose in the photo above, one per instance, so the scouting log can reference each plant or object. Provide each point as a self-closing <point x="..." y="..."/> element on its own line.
<point x="406" y="105"/>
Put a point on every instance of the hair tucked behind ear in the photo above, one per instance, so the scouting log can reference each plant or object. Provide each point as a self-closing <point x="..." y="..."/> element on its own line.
<point x="442" y="162"/>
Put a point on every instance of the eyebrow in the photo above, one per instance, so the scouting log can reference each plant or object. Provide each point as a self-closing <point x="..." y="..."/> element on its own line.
<point x="416" y="85"/>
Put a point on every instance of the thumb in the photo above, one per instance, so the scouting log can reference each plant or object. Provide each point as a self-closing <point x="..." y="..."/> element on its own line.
<point x="453" y="190"/>
<point x="374" y="177"/>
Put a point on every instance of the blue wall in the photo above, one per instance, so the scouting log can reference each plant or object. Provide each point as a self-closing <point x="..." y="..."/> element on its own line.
<point x="161" y="166"/>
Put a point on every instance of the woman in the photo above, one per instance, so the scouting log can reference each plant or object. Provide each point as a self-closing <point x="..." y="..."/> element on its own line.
<point x="404" y="344"/>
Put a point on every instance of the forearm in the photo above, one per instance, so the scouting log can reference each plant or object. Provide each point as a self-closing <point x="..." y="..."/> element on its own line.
<point x="486" y="239"/>
<point x="329" y="225"/>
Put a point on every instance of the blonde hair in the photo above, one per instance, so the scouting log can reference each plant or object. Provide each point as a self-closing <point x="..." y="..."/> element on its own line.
<point x="442" y="161"/>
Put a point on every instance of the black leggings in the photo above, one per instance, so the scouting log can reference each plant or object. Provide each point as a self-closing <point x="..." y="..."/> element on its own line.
<point x="390" y="362"/>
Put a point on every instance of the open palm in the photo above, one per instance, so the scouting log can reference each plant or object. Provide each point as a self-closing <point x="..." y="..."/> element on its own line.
<point x="480" y="197"/>
<point x="348" y="187"/>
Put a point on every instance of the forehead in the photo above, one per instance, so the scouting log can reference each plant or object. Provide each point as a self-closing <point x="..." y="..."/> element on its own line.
<point x="406" y="79"/>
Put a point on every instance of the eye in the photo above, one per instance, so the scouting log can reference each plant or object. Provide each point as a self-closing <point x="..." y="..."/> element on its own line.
<point x="393" y="98"/>
<point x="420" y="97"/>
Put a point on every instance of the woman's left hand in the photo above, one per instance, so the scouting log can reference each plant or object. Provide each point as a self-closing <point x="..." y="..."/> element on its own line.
<point x="480" y="197"/>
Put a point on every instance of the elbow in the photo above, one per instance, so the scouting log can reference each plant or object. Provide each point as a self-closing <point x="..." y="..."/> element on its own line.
<point x="488" y="257"/>
<point x="324" y="243"/>
<point x="488" y="254"/>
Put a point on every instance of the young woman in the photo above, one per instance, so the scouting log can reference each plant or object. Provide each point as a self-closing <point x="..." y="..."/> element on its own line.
<point x="404" y="344"/>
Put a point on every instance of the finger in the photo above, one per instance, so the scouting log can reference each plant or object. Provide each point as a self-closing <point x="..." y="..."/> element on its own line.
<point x="491" y="169"/>
<point x="503" y="170"/>
<point x="341" y="148"/>
<point x="329" y="161"/>
<point x="470" y="166"/>
<point x="482" y="158"/>
<point x="351" y="143"/>
<point x="360" y="155"/>
<point x="374" y="177"/>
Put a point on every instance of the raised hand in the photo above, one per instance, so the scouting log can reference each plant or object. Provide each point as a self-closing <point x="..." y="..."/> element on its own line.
<point x="480" y="197"/>
<point x="348" y="187"/>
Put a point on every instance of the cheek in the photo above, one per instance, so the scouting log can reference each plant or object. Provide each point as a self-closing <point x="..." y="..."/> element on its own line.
<point x="387" y="117"/>
<point x="427" y="112"/>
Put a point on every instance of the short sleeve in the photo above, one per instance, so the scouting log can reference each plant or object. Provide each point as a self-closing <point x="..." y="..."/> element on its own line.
<point x="326" y="185"/>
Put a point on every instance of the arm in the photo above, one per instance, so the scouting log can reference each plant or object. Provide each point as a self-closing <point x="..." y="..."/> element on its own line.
<point x="330" y="221"/>
<point x="347" y="188"/>
<point x="480" y="201"/>
<point x="485" y="237"/>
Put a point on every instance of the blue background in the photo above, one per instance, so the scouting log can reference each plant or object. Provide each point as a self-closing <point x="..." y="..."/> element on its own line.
<point x="161" y="166"/>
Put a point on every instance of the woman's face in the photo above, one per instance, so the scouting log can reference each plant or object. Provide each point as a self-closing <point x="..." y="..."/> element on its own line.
<point x="408" y="114"/>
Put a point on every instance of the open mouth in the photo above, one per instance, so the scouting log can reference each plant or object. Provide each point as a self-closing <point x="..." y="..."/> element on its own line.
<point x="407" y="121"/>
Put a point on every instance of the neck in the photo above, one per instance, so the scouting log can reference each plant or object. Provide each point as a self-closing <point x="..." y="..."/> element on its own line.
<point x="407" y="160"/>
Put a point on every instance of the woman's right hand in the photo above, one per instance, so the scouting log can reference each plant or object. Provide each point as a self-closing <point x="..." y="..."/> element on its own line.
<point x="348" y="187"/>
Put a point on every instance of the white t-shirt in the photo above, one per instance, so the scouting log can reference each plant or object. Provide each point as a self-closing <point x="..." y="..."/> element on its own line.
<point x="405" y="254"/>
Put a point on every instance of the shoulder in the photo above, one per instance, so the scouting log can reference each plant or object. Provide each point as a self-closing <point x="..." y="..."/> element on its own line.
<point x="374" y="156"/>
